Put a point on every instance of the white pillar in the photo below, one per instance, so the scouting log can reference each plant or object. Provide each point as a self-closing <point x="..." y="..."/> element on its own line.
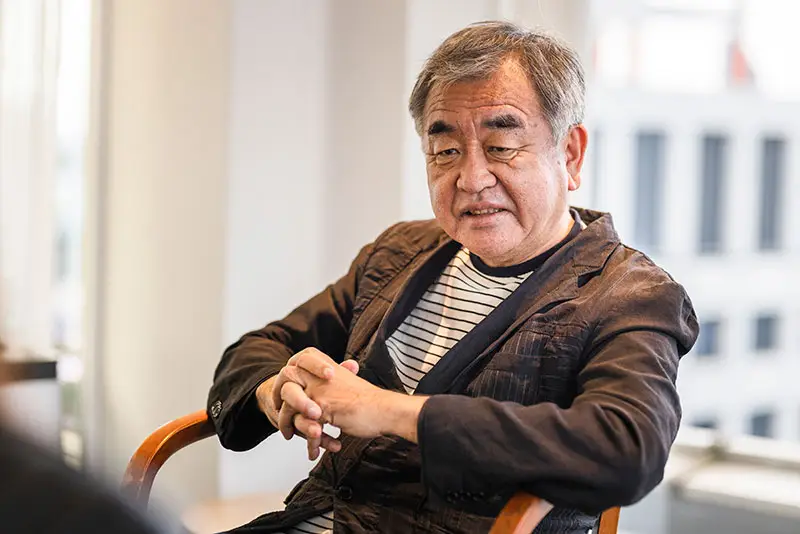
<point x="162" y="246"/>
<point x="276" y="208"/>
<point x="365" y="97"/>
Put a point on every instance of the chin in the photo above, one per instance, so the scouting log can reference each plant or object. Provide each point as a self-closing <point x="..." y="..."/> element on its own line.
<point x="489" y="250"/>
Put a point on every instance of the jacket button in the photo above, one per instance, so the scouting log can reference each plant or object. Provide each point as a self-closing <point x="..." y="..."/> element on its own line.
<point x="344" y="493"/>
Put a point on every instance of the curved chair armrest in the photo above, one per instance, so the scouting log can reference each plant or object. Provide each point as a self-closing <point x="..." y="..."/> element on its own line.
<point x="521" y="514"/>
<point x="609" y="521"/>
<point x="524" y="512"/>
<point x="157" y="448"/>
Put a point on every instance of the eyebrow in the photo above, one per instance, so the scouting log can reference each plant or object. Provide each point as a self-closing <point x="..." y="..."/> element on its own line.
<point x="440" y="127"/>
<point x="506" y="121"/>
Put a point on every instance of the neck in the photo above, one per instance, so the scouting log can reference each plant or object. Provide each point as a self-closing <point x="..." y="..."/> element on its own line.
<point x="562" y="229"/>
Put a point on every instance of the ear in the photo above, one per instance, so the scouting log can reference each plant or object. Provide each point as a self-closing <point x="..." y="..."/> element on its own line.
<point x="574" y="151"/>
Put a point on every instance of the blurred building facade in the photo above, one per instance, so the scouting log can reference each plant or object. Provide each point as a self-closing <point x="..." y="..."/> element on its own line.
<point x="700" y="165"/>
<point x="705" y="177"/>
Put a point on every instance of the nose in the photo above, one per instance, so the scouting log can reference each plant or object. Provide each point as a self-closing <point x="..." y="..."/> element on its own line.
<point x="474" y="175"/>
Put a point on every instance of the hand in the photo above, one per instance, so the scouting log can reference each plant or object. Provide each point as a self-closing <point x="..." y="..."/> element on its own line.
<point x="356" y="406"/>
<point x="282" y="399"/>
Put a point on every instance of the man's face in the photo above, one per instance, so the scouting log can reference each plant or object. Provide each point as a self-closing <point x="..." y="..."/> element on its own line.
<point x="498" y="181"/>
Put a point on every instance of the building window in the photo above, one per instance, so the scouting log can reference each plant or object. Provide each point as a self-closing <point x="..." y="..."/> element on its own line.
<point x="710" y="423"/>
<point x="762" y="424"/>
<point x="708" y="340"/>
<point x="771" y="208"/>
<point x="712" y="193"/>
<point x="649" y="181"/>
<point x="766" y="332"/>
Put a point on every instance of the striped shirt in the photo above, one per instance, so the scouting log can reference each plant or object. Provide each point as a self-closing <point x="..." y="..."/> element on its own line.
<point x="460" y="298"/>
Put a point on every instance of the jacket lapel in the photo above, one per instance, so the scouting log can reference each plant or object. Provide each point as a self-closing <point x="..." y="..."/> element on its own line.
<point x="377" y="364"/>
<point x="556" y="282"/>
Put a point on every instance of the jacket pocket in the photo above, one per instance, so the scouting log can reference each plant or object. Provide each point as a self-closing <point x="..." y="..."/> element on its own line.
<point x="508" y="377"/>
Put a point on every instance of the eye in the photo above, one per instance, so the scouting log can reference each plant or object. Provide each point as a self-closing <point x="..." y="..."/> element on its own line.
<point x="502" y="153"/>
<point x="446" y="156"/>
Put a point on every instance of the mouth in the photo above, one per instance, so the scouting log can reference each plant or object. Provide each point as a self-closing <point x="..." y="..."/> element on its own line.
<point x="481" y="212"/>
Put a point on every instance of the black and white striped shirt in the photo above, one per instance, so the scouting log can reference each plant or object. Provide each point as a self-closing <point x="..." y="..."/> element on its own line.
<point x="460" y="298"/>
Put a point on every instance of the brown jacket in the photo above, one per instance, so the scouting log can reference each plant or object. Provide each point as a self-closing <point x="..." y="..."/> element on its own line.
<point x="567" y="390"/>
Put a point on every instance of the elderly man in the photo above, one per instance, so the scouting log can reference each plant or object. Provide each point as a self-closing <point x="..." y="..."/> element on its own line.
<point x="513" y="343"/>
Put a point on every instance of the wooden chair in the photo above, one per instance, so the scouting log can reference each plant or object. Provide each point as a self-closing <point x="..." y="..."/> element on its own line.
<point x="519" y="516"/>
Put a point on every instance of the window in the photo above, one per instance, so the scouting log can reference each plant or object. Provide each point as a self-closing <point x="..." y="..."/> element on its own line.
<point x="762" y="424"/>
<point x="649" y="179"/>
<point x="706" y="422"/>
<point x="708" y="340"/>
<point x="766" y="332"/>
<point x="771" y="212"/>
<point x="712" y="192"/>
<point x="44" y="128"/>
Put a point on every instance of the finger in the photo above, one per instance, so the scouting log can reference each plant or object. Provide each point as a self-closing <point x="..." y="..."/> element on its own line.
<point x="287" y="374"/>
<point x="330" y="443"/>
<point x="313" y="432"/>
<point x="277" y="401"/>
<point x="313" y="448"/>
<point x="294" y="395"/>
<point x="315" y="362"/>
<point x="307" y="427"/>
<point x="286" y="421"/>
<point x="350" y="365"/>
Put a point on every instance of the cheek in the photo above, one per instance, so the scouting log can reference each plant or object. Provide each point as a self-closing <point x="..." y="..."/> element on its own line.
<point x="530" y="191"/>
<point x="441" y="194"/>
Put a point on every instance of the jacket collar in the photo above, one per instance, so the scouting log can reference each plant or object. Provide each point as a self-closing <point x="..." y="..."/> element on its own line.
<point x="557" y="280"/>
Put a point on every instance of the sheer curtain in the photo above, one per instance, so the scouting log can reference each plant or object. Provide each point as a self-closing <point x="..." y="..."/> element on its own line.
<point x="45" y="52"/>
<point x="28" y="88"/>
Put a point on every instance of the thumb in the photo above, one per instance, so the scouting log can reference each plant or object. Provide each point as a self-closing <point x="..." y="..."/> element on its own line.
<point x="350" y="365"/>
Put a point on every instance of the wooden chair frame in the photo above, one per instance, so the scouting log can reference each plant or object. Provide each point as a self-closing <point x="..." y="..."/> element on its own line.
<point x="519" y="516"/>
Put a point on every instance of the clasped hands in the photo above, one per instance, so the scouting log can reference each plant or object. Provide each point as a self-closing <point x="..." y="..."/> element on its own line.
<point x="312" y="390"/>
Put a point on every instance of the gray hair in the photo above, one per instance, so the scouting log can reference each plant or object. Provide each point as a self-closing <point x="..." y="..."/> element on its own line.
<point x="477" y="52"/>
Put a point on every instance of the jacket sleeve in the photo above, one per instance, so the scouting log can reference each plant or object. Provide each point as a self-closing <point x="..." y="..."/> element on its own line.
<point x="609" y="448"/>
<point x="322" y="322"/>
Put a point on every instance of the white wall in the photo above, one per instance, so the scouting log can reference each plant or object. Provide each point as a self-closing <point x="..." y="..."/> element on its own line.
<point x="162" y="245"/>
<point x="275" y="244"/>
<point x="365" y="49"/>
